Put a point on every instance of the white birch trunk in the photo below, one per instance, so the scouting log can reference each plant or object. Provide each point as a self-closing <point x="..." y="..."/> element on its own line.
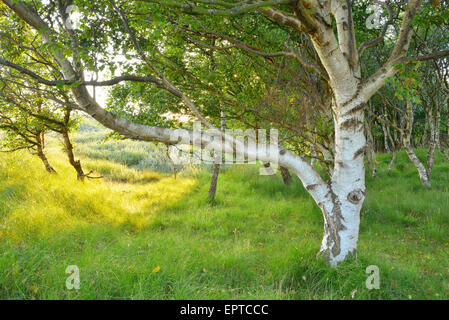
<point x="406" y="141"/>
<point x="341" y="208"/>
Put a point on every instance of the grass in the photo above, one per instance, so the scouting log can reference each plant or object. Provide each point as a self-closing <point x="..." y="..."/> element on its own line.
<point x="158" y="238"/>
<point x="92" y="143"/>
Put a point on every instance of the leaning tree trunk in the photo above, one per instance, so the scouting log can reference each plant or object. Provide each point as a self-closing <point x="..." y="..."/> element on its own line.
<point x="76" y="164"/>
<point x="391" y="164"/>
<point x="417" y="163"/>
<point x="213" y="182"/>
<point x="406" y="141"/>
<point x="286" y="177"/>
<point x="394" y="150"/>
<point x="40" y="138"/>
<point x="173" y="164"/>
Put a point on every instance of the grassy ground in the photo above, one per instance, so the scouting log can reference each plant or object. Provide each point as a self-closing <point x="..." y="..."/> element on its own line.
<point x="157" y="238"/>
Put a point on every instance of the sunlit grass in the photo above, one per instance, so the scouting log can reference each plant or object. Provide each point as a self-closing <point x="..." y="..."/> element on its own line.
<point x="257" y="241"/>
<point x="37" y="204"/>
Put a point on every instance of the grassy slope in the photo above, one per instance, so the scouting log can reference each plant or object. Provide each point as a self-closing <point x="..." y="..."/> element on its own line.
<point x="258" y="242"/>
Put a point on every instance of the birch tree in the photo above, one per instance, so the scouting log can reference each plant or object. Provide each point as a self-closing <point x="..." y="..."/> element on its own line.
<point x="331" y="29"/>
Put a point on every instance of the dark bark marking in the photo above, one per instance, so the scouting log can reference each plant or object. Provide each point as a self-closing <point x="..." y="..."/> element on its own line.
<point x="311" y="187"/>
<point x="356" y="94"/>
<point x="334" y="222"/>
<point x="351" y="123"/>
<point x="356" y="196"/>
<point x="355" y="109"/>
<point x="359" y="152"/>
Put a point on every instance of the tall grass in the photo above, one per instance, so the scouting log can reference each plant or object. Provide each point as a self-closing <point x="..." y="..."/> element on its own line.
<point x="95" y="143"/>
<point x="258" y="240"/>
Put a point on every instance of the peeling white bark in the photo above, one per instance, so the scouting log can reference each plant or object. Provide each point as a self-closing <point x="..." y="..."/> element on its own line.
<point x="342" y="207"/>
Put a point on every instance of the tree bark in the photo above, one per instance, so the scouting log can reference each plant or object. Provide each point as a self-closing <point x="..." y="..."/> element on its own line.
<point x="214" y="182"/>
<point x="76" y="164"/>
<point x="341" y="210"/>
<point x="40" y="139"/>
<point x="286" y="177"/>
<point x="435" y="120"/>
<point x="391" y="164"/>
<point x="370" y="152"/>
<point x="217" y="165"/>
<point x="171" y="160"/>
<point x="406" y="141"/>
<point x="445" y="154"/>
<point x="387" y="146"/>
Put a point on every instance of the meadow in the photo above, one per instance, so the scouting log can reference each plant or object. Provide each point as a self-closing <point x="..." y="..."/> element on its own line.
<point x="142" y="234"/>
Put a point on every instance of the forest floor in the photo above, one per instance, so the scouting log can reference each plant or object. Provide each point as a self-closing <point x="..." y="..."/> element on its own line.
<point x="145" y="235"/>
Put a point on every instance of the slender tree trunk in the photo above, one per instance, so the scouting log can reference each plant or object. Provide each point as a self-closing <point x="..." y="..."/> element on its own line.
<point x="387" y="146"/>
<point x="368" y="156"/>
<point x="216" y="170"/>
<point x="393" y="159"/>
<point x="370" y="152"/>
<point x="394" y="150"/>
<point x="172" y="162"/>
<point x="419" y="166"/>
<point x="40" y="138"/>
<point x="438" y="128"/>
<point x="447" y="120"/>
<point x="406" y="138"/>
<point x="286" y="177"/>
<point x="375" y="166"/>
<point x="425" y="137"/>
<point x="432" y="140"/>
<point x="436" y="140"/>
<point x="214" y="182"/>
<point x="76" y="164"/>
<point x="445" y="154"/>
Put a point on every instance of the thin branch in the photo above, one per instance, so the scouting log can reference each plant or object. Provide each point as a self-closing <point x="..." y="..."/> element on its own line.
<point x="227" y="9"/>
<point x="389" y="22"/>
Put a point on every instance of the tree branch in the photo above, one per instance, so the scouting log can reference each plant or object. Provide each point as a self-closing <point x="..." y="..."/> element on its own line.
<point x="228" y="9"/>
